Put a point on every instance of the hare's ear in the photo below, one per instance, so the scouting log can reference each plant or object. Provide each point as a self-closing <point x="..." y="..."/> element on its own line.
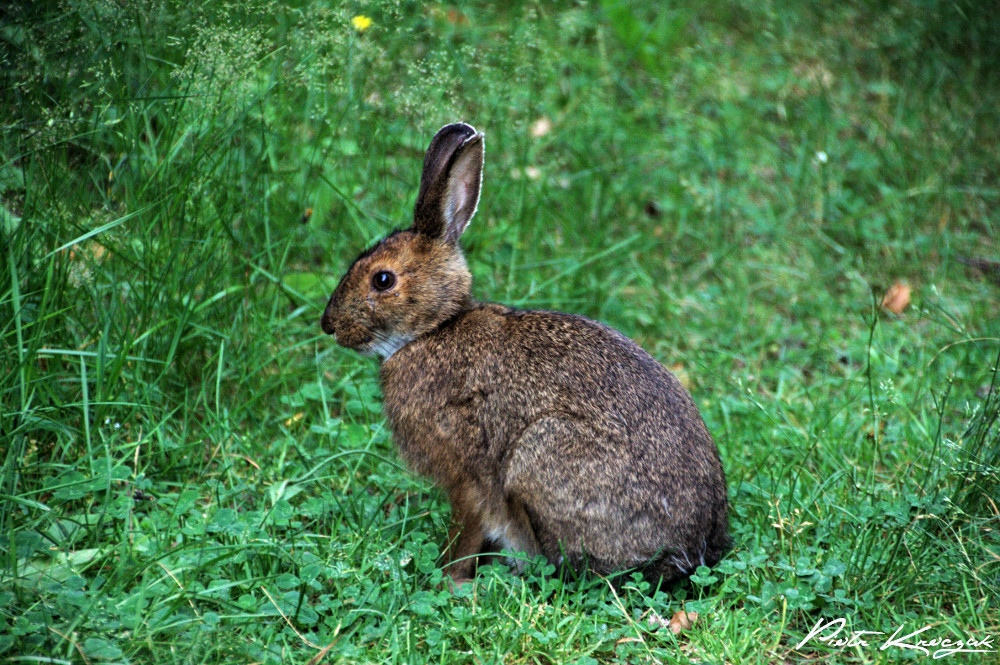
<point x="449" y="186"/>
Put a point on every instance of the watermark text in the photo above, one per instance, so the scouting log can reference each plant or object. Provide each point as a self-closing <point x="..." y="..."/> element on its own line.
<point x="832" y="633"/>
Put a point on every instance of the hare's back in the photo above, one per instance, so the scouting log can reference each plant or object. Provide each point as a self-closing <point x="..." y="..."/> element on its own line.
<point x="583" y="366"/>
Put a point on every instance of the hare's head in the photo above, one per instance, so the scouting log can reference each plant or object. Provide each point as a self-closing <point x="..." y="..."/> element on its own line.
<point x="414" y="280"/>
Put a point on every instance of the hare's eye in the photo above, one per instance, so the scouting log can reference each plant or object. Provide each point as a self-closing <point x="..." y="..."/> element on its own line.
<point x="383" y="280"/>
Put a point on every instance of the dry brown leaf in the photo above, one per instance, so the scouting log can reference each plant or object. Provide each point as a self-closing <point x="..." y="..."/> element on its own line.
<point x="626" y="640"/>
<point x="897" y="298"/>
<point x="682" y="621"/>
<point x="456" y="17"/>
<point x="92" y="250"/>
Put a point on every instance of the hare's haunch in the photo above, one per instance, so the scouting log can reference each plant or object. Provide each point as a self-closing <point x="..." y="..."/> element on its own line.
<point x="551" y="434"/>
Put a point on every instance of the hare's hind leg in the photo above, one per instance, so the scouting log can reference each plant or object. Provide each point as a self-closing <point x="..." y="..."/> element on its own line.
<point x="574" y="491"/>
<point x="511" y="530"/>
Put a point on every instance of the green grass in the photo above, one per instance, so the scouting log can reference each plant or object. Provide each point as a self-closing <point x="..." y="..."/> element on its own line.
<point x="193" y="473"/>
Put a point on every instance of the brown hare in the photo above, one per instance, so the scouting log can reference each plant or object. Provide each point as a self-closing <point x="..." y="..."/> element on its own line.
<point x="551" y="434"/>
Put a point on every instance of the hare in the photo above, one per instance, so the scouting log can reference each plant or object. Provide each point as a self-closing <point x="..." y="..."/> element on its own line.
<point x="550" y="433"/>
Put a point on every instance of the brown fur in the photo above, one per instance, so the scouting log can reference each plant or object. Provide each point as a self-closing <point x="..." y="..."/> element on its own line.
<point x="551" y="434"/>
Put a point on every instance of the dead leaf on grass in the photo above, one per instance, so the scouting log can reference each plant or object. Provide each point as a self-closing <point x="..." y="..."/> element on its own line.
<point x="626" y="640"/>
<point x="682" y="621"/>
<point x="897" y="298"/>
<point x="679" y="622"/>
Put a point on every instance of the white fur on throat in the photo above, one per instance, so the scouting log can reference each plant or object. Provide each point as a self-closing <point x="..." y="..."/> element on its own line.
<point x="384" y="348"/>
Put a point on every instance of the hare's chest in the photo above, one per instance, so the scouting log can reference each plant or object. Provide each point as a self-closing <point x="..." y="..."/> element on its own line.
<point x="434" y="418"/>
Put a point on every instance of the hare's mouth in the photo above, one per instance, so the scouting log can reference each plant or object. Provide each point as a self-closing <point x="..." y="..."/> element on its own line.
<point x="351" y="336"/>
<point x="370" y="342"/>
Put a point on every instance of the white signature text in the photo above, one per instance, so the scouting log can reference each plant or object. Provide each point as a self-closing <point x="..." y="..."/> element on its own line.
<point x="829" y="633"/>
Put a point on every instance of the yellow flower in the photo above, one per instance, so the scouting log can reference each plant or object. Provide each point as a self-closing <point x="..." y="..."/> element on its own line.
<point x="361" y="22"/>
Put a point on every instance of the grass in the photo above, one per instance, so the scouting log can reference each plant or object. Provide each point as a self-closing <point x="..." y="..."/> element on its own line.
<point x="191" y="472"/>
